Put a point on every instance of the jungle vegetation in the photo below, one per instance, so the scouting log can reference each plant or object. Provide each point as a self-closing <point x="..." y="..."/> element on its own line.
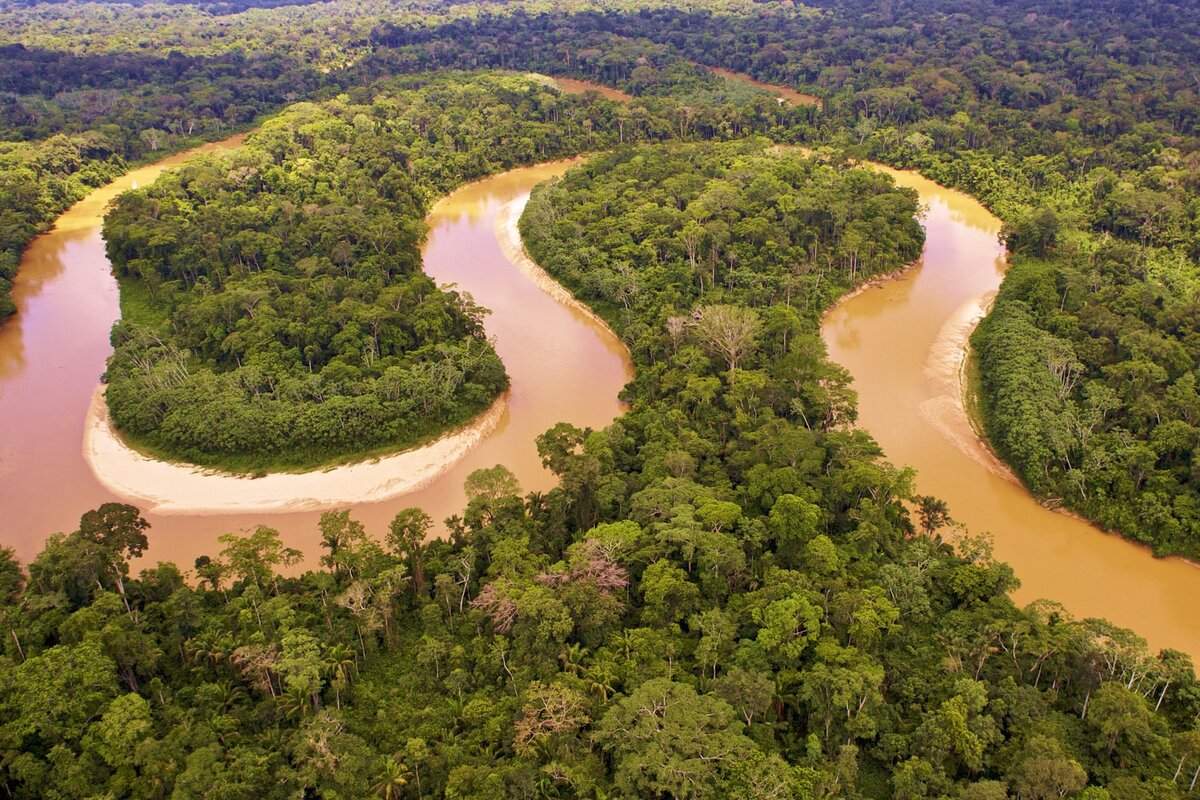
<point x="729" y="593"/>
<point x="676" y="228"/>
<point x="728" y="556"/>
<point x="275" y="312"/>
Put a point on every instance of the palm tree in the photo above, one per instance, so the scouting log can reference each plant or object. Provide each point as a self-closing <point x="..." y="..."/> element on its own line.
<point x="601" y="681"/>
<point x="341" y="662"/>
<point x="231" y="694"/>
<point x="572" y="658"/>
<point x="393" y="778"/>
<point x="294" y="703"/>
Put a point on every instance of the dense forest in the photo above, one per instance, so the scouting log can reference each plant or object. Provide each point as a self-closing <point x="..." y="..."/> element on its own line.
<point x="275" y="313"/>
<point x="731" y="593"/>
<point x="1089" y="378"/>
<point x="678" y="229"/>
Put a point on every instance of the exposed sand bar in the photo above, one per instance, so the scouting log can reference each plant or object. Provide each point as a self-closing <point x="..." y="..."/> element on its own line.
<point x="176" y="488"/>
<point x="170" y="488"/>
<point x="508" y="234"/>
<point x="573" y="86"/>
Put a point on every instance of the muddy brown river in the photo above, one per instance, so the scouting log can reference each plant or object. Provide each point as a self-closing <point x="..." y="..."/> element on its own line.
<point x="902" y="342"/>
<point x="564" y="366"/>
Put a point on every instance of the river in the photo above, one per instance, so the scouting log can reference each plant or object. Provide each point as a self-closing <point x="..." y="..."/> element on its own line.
<point x="780" y="92"/>
<point x="563" y="364"/>
<point x="903" y="342"/>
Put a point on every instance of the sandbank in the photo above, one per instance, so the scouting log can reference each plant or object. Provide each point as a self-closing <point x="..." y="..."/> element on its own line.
<point x="175" y="488"/>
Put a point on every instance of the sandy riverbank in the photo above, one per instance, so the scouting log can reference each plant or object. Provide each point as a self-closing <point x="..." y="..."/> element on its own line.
<point x="172" y="488"/>
<point x="946" y="371"/>
<point x="178" y="488"/>
<point x="509" y="235"/>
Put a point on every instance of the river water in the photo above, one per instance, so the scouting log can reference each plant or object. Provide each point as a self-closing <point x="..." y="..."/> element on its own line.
<point x="781" y="92"/>
<point x="903" y="343"/>
<point x="574" y="86"/>
<point x="563" y="366"/>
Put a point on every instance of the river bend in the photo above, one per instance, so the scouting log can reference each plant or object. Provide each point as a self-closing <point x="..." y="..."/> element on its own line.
<point x="903" y="343"/>
<point x="564" y="365"/>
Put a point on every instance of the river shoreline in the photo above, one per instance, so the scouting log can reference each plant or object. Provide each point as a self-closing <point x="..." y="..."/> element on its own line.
<point x="973" y="412"/>
<point x="165" y="487"/>
<point x="951" y="355"/>
<point x="508" y="234"/>
<point x="176" y="488"/>
<point x="875" y="282"/>
<point x="48" y="482"/>
<point x="906" y="345"/>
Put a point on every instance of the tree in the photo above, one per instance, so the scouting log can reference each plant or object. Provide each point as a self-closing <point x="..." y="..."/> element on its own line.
<point x="984" y="790"/>
<point x="1121" y="717"/>
<point x="491" y="483"/>
<point x="342" y="537"/>
<point x="12" y="578"/>
<point x="301" y="665"/>
<point x="669" y="595"/>
<point x="729" y="331"/>
<point x="958" y="732"/>
<point x="1045" y="772"/>
<point x="551" y="713"/>
<point x="749" y="693"/>
<point x="933" y="512"/>
<point x="393" y="777"/>
<point x="51" y="697"/>
<point x="1034" y="234"/>
<point x="789" y="625"/>
<point x="407" y="533"/>
<point x="119" y="532"/>
<point x="254" y="558"/>
<point x="666" y="740"/>
<point x="489" y="491"/>
<point x="116" y="736"/>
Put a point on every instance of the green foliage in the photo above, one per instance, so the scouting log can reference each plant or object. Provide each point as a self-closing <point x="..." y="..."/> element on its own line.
<point x="602" y="666"/>
<point x="688" y="230"/>
<point x="38" y="181"/>
<point x="727" y="578"/>
<point x="295" y="325"/>
<point x="667" y="740"/>
<point x="1088" y="389"/>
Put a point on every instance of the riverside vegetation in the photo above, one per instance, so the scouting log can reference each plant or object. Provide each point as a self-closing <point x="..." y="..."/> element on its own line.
<point x="717" y="555"/>
<point x="728" y="594"/>
<point x="275" y="313"/>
